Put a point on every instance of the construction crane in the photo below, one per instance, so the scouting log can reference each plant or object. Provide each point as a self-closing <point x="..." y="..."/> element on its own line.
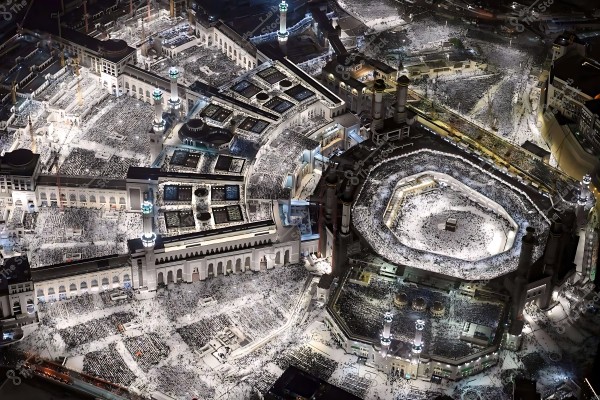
<point x="32" y="136"/>
<point x="85" y="16"/>
<point x="76" y="67"/>
<point x="62" y="53"/>
<point x="491" y="118"/>
<point x="13" y="92"/>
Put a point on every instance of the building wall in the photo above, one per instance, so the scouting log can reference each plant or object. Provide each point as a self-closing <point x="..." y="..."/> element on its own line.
<point x="81" y="197"/>
<point x="212" y="36"/>
<point x="566" y="99"/>
<point x="197" y="263"/>
<point x="93" y="282"/>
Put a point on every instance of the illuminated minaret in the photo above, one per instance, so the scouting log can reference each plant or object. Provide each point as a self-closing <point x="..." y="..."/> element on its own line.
<point x="174" y="100"/>
<point x="386" y="336"/>
<point x="377" y="111"/>
<point x="148" y="236"/>
<point x="159" y="122"/>
<point x="583" y="200"/>
<point x="158" y="127"/>
<point x="418" y="341"/>
<point x="401" y="97"/>
<point x="283" y="34"/>
<point x="148" y="241"/>
<point x="347" y="199"/>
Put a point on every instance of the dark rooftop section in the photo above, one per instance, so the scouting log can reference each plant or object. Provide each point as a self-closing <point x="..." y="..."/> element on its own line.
<point x="535" y="149"/>
<point x="566" y="37"/>
<point x="143" y="173"/>
<point x="210" y="91"/>
<point x="593" y="106"/>
<point x="82" y="181"/>
<point x="381" y="66"/>
<point x="584" y="72"/>
<point x="13" y="270"/>
<point x="311" y="81"/>
<point x="20" y="162"/>
<point x="295" y="383"/>
<point x="79" y="267"/>
<point x="325" y="281"/>
<point x="136" y="244"/>
<point x="525" y="389"/>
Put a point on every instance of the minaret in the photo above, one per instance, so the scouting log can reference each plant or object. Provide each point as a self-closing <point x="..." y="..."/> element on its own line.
<point x="386" y="336"/>
<point x="148" y="241"/>
<point x="158" y="127"/>
<point x="377" y="112"/>
<point x="331" y="182"/>
<point x="148" y="236"/>
<point x="174" y="100"/>
<point x="418" y="341"/>
<point x="347" y="199"/>
<point x="401" y="96"/>
<point x="520" y="280"/>
<point x="283" y="34"/>
<point x="583" y="199"/>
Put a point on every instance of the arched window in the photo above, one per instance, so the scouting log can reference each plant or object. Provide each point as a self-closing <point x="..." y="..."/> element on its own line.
<point x="104" y="281"/>
<point x="83" y="285"/>
<point x="72" y="197"/>
<point x="102" y="199"/>
<point x="121" y="200"/>
<point x="50" y="291"/>
<point x="94" y="283"/>
<point x="112" y="200"/>
<point x="82" y="198"/>
<point x="126" y="278"/>
<point x="73" y="287"/>
<point x="116" y="279"/>
<point x="62" y="289"/>
<point x="92" y="198"/>
<point x="40" y="293"/>
<point x="53" y="196"/>
<point x="43" y="196"/>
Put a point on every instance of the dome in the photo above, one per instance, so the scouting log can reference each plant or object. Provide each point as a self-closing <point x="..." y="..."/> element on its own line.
<point x="262" y="96"/>
<point x="401" y="299"/>
<point x="201" y="192"/>
<point x="194" y="124"/>
<point x="419" y="304"/>
<point x="204" y="217"/>
<point x="331" y="178"/>
<point x="379" y="84"/>
<point x="19" y="157"/>
<point x="403" y="80"/>
<point x="197" y="131"/>
<point x="347" y="196"/>
<point x="285" y="83"/>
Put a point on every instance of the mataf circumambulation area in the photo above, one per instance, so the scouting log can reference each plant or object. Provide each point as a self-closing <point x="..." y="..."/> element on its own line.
<point x="436" y="213"/>
<point x="442" y="213"/>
